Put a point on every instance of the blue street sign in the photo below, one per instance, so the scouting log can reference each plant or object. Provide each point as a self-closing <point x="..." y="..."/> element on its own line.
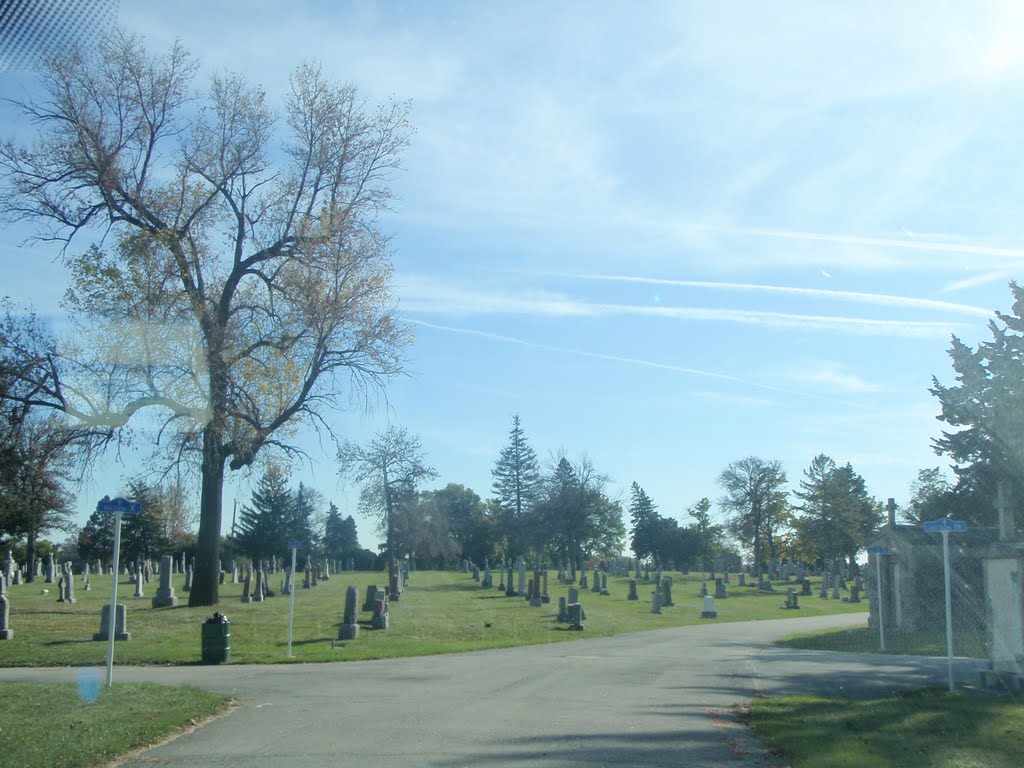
<point x="878" y="550"/>
<point x="945" y="525"/>
<point x="123" y="506"/>
<point x="293" y="544"/>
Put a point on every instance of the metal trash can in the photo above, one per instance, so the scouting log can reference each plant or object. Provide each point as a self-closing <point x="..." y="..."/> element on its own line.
<point x="216" y="639"/>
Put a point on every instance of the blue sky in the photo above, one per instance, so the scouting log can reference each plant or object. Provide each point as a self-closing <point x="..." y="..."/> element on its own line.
<point x="669" y="235"/>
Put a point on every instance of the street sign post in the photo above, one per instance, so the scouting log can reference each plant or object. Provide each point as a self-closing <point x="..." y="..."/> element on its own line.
<point x="293" y="546"/>
<point x="119" y="507"/>
<point x="946" y="526"/>
<point x="878" y="551"/>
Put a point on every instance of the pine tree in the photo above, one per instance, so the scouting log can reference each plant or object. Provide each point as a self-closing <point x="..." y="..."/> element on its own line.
<point x="517" y="487"/>
<point x="341" y="537"/>
<point x="644" y="519"/>
<point x="263" y="527"/>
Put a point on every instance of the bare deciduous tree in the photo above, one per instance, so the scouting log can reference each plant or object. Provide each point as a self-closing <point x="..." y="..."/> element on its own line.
<point x="240" y="286"/>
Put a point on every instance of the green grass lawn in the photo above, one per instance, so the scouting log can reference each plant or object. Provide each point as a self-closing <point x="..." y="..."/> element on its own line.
<point x="863" y="639"/>
<point x="440" y="612"/>
<point x="924" y="729"/>
<point x="61" y="725"/>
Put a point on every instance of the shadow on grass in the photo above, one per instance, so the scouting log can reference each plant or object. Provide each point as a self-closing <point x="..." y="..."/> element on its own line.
<point x="73" y="642"/>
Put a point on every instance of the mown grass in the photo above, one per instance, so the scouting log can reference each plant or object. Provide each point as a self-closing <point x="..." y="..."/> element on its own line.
<point x="61" y="725"/>
<point x="924" y="729"/>
<point x="863" y="639"/>
<point x="440" y="612"/>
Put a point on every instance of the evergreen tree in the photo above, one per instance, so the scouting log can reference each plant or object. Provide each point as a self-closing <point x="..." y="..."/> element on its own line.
<point x="644" y="520"/>
<point x="142" y="535"/>
<point x="517" y="487"/>
<point x="837" y="517"/>
<point x="264" y="526"/>
<point x="986" y="411"/>
<point x="708" y="535"/>
<point x="341" y="537"/>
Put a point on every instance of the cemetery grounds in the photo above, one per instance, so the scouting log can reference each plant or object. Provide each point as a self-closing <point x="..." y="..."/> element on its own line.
<point x="445" y="612"/>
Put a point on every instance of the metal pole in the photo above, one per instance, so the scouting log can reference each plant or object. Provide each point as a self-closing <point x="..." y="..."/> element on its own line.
<point x="291" y="606"/>
<point x="113" y="598"/>
<point x="881" y="600"/>
<point x="949" y="610"/>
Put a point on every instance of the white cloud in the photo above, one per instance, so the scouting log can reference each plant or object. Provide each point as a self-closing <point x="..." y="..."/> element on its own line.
<point x="428" y="295"/>
<point x="904" y="302"/>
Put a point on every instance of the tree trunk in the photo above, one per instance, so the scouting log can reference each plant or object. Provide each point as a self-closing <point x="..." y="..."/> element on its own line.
<point x="206" y="577"/>
<point x="30" y="556"/>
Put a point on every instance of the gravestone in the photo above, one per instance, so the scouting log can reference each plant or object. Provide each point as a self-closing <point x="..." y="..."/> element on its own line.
<point x="187" y="586"/>
<point x="350" y="621"/>
<point x="307" y="581"/>
<point x="666" y="592"/>
<point x="51" y="572"/>
<point x="544" y="597"/>
<point x="743" y="579"/>
<point x="510" y="589"/>
<point x="371" y="595"/>
<point x="286" y="587"/>
<point x="805" y="590"/>
<point x="501" y="579"/>
<point x="258" y="586"/>
<point x="488" y="580"/>
<point x="164" y="597"/>
<point x="720" y="593"/>
<point x="632" y="590"/>
<point x="6" y="633"/>
<point x="575" y="617"/>
<point x="380" y="618"/>
<point x="234" y="573"/>
<point x="597" y="581"/>
<point x="138" y="584"/>
<point x="574" y="595"/>
<point x="854" y="594"/>
<point x="476" y="573"/>
<point x="521" y="590"/>
<point x="68" y="592"/>
<point x="792" y="601"/>
<point x="655" y="601"/>
<point x="247" y="586"/>
<point x="563" y="611"/>
<point x="9" y="568"/>
<point x="583" y="580"/>
<point x="703" y="588"/>
<point x="120" y="617"/>
<point x="17" y="579"/>
<point x="823" y="592"/>
<point x="708" y="611"/>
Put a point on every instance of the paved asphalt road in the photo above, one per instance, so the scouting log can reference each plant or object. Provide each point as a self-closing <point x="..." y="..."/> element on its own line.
<point x="657" y="698"/>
